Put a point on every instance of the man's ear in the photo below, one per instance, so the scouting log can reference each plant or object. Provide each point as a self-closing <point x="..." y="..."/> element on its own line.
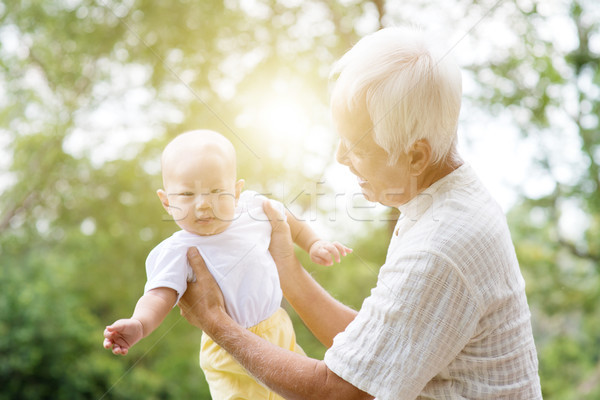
<point x="164" y="199"/>
<point x="420" y="156"/>
<point x="238" y="189"/>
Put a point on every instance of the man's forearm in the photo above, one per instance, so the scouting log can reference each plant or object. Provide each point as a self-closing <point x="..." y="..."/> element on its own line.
<point x="291" y="375"/>
<point x="322" y="314"/>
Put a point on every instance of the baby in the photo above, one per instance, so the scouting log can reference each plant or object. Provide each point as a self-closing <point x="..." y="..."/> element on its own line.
<point x="232" y="233"/>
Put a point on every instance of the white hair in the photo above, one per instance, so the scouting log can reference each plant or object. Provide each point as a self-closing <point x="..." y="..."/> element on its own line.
<point x="410" y="90"/>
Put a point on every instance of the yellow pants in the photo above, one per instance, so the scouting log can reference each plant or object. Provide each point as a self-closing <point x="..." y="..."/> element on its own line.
<point x="227" y="379"/>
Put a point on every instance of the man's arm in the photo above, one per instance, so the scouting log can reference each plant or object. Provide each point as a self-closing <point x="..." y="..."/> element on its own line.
<point x="291" y="375"/>
<point x="322" y="314"/>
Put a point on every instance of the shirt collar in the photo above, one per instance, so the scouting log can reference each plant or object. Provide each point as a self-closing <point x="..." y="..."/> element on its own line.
<point x="419" y="204"/>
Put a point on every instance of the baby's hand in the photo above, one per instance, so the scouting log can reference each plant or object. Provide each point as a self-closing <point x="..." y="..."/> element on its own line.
<point x="324" y="252"/>
<point x="123" y="334"/>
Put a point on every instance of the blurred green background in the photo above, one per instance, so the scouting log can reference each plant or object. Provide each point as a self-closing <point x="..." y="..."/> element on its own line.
<point x="90" y="92"/>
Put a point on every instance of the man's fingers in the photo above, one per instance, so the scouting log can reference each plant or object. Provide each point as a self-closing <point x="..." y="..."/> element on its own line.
<point x="275" y="217"/>
<point x="195" y="259"/>
<point x="183" y="306"/>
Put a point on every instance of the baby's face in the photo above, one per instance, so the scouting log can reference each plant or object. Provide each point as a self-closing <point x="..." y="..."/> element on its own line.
<point x="201" y="193"/>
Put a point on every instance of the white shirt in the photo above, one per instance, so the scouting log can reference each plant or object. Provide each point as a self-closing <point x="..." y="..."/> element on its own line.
<point x="448" y="318"/>
<point x="238" y="258"/>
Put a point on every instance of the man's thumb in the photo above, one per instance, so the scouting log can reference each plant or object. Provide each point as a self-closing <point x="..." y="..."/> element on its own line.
<point x="272" y="213"/>
<point x="194" y="258"/>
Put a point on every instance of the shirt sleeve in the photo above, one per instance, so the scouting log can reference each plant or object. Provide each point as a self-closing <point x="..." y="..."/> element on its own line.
<point x="417" y="319"/>
<point x="167" y="266"/>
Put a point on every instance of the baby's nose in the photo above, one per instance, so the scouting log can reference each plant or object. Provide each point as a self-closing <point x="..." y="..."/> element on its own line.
<point x="202" y="201"/>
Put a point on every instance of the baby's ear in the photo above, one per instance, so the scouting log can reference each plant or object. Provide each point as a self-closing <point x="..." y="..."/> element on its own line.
<point x="164" y="199"/>
<point x="238" y="189"/>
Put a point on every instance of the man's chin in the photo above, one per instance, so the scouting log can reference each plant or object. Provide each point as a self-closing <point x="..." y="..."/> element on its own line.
<point x="385" y="200"/>
<point x="369" y="195"/>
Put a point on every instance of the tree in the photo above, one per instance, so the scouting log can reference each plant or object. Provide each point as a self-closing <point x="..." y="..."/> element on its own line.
<point x="548" y="81"/>
<point x="79" y="212"/>
<point x="93" y="90"/>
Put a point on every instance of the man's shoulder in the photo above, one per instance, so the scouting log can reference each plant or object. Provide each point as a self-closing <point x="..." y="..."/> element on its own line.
<point x="463" y="224"/>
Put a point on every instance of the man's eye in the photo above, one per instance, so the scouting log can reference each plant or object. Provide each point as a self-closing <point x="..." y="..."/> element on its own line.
<point x="358" y="151"/>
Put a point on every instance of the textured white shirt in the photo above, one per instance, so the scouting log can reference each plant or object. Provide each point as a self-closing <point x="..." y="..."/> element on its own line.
<point x="238" y="258"/>
<point x="448" y="318"/>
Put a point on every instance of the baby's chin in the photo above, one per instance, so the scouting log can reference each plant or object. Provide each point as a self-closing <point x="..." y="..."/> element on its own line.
<point x="207" y="227"/>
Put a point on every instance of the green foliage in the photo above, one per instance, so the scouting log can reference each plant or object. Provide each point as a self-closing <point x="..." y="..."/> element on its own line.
<point x="556" y="232"/>
<point x="49" y="343"/>
<point x="79" y="212"/>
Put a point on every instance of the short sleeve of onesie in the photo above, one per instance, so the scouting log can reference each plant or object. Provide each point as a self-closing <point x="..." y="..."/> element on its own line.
<point x="166" y="266"/>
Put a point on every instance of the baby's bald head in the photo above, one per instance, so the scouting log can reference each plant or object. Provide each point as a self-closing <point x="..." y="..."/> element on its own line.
<point x="197" y="145"/>
<point x="200" y="188"/>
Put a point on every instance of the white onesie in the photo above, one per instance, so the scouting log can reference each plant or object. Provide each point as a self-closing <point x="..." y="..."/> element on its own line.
<point x="238" y="258"/>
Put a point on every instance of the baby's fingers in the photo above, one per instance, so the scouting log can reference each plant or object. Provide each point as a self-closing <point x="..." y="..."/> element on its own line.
<point x="322" y="257"/>
<point x="118" y="350"/>
<point x="333" y="251"/>
<point x="325" y="255"/>
<point x="342" y="249"/>
<point x="110" y="333"/>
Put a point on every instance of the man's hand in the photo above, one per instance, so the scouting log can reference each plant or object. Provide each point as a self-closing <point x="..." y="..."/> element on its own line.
<point x="202" y="303"/>
<point x="282" y="246"/>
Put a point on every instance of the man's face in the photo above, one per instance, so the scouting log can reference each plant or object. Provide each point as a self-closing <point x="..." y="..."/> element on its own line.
<point x="380" y="182"/>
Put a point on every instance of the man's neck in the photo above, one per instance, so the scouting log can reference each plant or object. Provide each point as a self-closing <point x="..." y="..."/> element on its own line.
<point x="434" y="173"/>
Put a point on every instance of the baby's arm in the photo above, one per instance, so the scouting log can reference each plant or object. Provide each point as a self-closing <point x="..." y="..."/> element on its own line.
<point x="149" y="312"/>
<point x="321" y="251"/>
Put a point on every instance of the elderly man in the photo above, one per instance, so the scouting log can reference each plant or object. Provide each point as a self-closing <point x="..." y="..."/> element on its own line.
<point x="448" y="318"/>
